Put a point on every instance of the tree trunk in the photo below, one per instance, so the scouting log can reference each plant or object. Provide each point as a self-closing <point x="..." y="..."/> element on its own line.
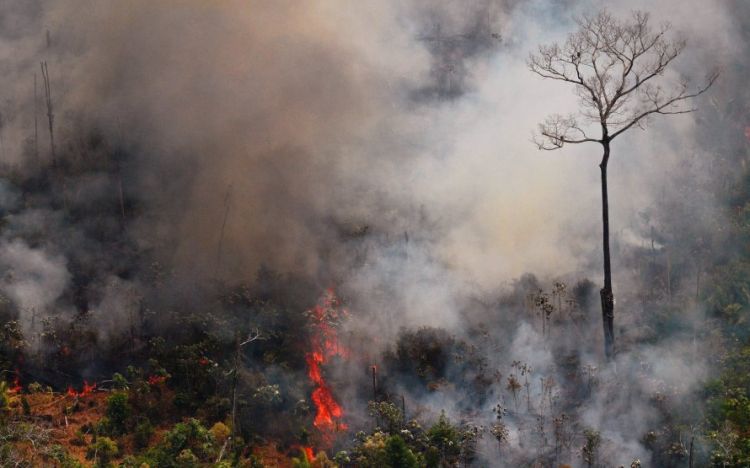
<point x="607" y="296"/>
<point x="50" y="115"/>
<point x="227" y="205"/>
<point x="36" y="128"/>
<point x="237" y="355"/>
<point x="690" y="462"/>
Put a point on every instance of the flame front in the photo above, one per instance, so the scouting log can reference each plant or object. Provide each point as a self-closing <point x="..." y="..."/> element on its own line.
<point x="87" y="389"/>
<point x="324" y="318"/>
<point x="156" y="380"/>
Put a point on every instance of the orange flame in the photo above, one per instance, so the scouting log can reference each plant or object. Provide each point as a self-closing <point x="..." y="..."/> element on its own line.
<point x="87" y="389"/>
<point x="307" y="450"/>
<point x="156" y="380"/>
<point x="16" y="386"/>
<point x="324" y="344"/>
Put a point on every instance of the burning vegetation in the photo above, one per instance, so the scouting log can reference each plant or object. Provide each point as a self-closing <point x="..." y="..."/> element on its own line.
<point x="87" y="390"/>
<point x="325" y="320"/>
<point x="174" y="201"/>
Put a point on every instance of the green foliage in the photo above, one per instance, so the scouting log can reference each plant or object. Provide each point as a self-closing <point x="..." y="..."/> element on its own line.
<point x="185" y="445"/>
<point x="728" y="294"/>
<point x="398" y="454"/>
<point x="321" y="460"/>
<point x="187" y="459"/>
<point x="104" y="427"/>
<point x="268" y="394"/>
<point x="369" y="452"/>
<point x="727" y="403"/>
<point x="143" y="433"/>
<point x="730" y="448"/>
<point x="190" y="370"/>
<point x="4" y="397"/>
<point x="119" y="381"/>
<point x="102" y="451"/>
<point x="590" y="450"/>
<point x="389" y="415"/>
<point x="446" y="438"/>
<point x="62" y="458"/>
<point x="118" y="411"/>
<point x="442" y="445"/>
<point x="130" y="461"/>
<point x="190" y="434"/>
<point x="25" y="405"/>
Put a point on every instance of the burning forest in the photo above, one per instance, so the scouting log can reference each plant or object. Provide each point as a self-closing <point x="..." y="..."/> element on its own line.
<point x="324" y="344"/>
<point x="326" y="234"/>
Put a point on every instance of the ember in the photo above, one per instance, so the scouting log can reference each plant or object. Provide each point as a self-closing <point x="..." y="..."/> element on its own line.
<point x="87" y="389"/>
<point x="16" y="386"/>
<point x="324" y="319"/>
<point x="156" y="380"/>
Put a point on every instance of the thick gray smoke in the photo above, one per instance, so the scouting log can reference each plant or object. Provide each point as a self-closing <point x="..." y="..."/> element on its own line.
<point x="381" y="145"/>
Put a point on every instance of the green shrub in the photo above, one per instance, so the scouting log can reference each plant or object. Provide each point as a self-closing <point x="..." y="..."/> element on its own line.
<point x="181" y="445"/>
<point x="187" y="459"/>
<point x="118" y="410"/>
<point x="35" y="387"/>
<point x="398" y="455"/>
<point x="25" y="405"/>
<point x="446" y="438"/>
<point x="143" y="433"/>
<point x="4" y="398"/>
<point x="63" y="459"/>
<point x="102" y="451"/>
<point x="103" y="427"/>
<point x="389" y="415"/>
<point x="119" y="381"/>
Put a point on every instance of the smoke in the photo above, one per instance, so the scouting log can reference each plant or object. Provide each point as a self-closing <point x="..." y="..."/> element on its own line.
<point x="300" y="125"/>
<point x="383" y="145"/>
<point x="32" y="278"/>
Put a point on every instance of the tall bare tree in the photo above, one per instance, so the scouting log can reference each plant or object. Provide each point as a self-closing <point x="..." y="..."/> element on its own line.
<point x="617" y="68"/>
<point x="50" y="114"/>
<point x="36" y="126"/>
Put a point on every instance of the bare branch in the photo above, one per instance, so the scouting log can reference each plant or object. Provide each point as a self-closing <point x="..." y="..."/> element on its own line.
<point x="558" y="130"/>
<point x="617" y="68"/>
<point x="254" y="335"/>
<point x="663" y="105"/>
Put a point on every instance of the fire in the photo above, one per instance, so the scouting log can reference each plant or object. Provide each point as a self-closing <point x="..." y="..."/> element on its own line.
<point x="16" y="386"/>
<point x="324" y="318"/>
<point x="156" y="380"/>
<point x="308" y="451"/>
<point x="87" y="389"/>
